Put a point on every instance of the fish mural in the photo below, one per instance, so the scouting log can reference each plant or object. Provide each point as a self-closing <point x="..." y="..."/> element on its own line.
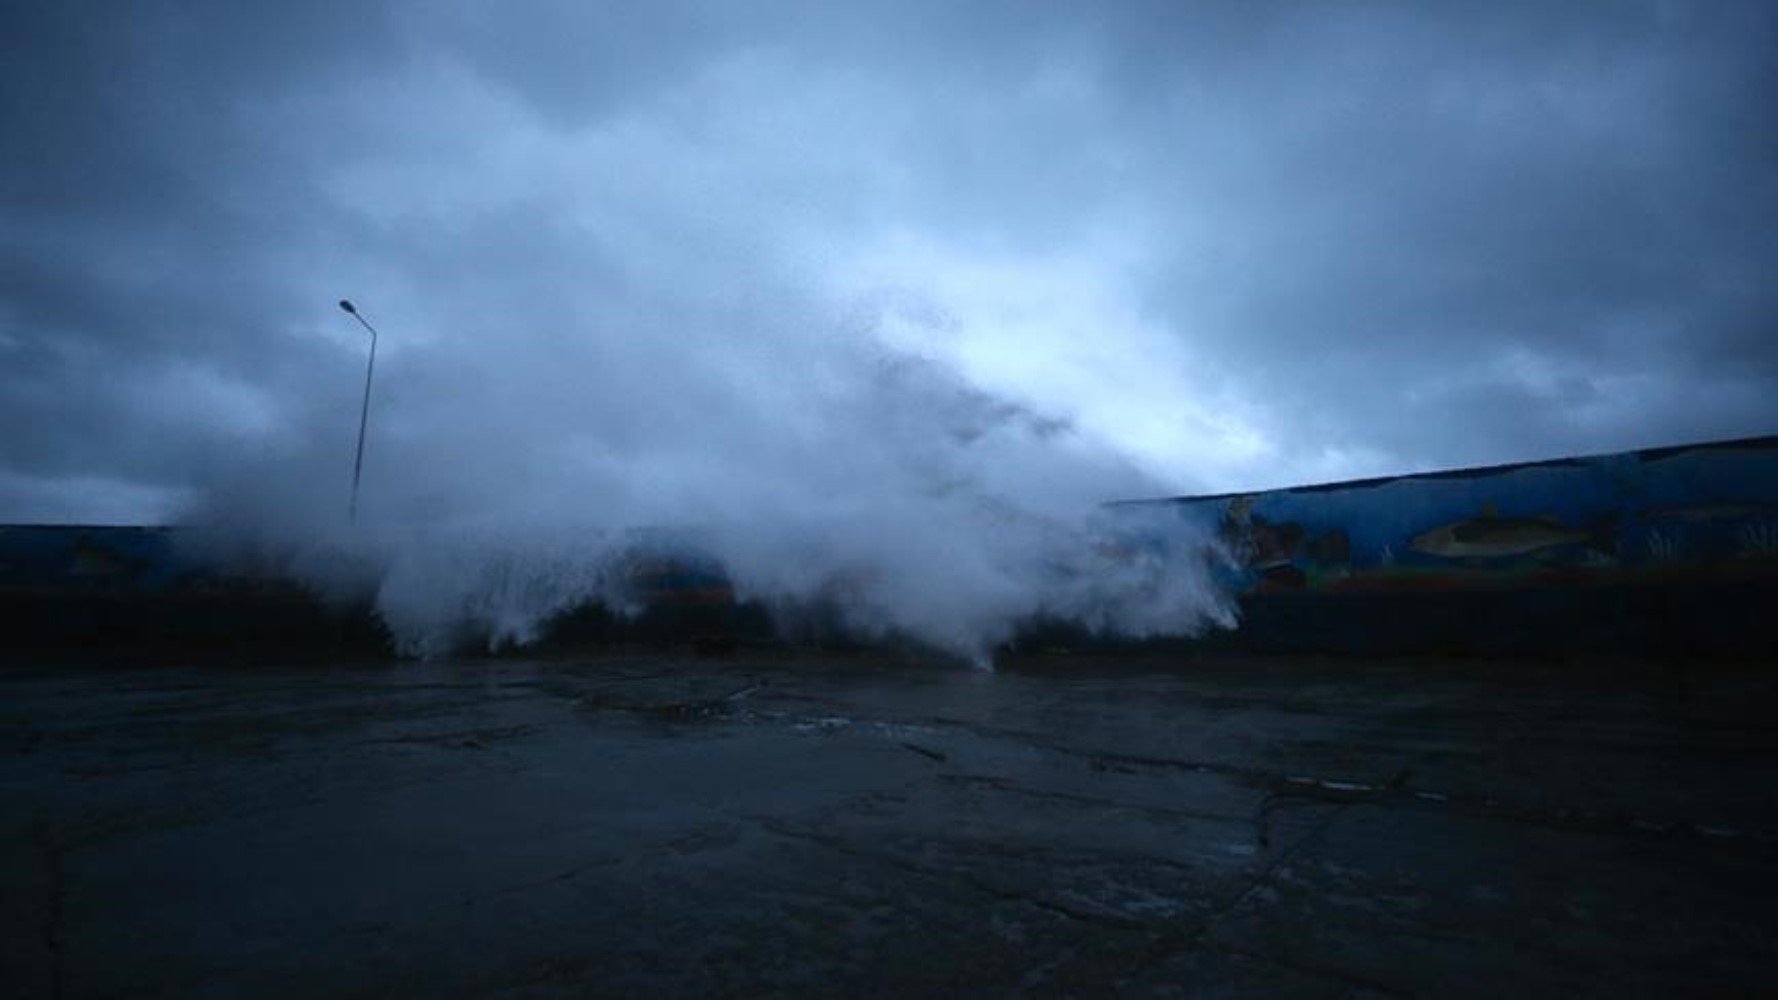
<point x="1705" y="512"/>
<point x="1491" y="536"/>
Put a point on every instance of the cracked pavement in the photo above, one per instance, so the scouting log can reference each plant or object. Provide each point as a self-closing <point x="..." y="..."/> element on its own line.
<point x="774" y="822"/>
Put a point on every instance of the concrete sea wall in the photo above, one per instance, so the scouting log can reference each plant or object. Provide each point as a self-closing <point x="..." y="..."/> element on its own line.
<point x="1671" y="551"/>
<point x="1664" y="549"/>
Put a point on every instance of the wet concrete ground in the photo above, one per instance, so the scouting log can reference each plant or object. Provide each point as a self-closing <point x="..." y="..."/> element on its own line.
<point x="670" y="826"/>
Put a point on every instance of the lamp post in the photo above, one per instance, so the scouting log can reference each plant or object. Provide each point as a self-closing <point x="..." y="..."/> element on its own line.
<point x="364" y="413"/>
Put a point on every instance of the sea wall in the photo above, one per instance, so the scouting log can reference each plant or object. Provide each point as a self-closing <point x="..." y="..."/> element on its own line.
<point x="1671" y="551"/>
<point x="1661" y="549"/>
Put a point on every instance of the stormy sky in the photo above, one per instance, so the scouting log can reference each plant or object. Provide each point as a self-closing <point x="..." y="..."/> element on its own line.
<point x="1207" y="246"/>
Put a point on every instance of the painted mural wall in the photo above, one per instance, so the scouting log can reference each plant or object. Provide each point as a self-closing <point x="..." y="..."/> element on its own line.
<point x="1704" y="513"/>
<point x="96" y="558"/>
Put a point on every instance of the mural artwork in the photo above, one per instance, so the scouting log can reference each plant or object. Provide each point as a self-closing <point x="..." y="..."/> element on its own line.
<point x="1670" y="516"/>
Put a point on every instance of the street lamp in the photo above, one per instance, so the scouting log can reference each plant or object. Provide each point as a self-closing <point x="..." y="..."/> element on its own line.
<point x="363" y="414"/>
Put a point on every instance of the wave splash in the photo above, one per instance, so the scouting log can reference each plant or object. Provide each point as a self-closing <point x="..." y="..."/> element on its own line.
<point x="502" y="492"/>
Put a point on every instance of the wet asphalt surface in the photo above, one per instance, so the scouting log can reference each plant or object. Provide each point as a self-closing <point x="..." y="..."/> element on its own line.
<point x="804" y="824"/>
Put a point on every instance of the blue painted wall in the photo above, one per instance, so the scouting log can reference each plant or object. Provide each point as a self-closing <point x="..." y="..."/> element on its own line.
<point x="1699" y="513"/>
<point x="91" y="558"/>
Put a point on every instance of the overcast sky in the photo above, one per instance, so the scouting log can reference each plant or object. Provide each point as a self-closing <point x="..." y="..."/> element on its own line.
<point x="1244" y="244"/>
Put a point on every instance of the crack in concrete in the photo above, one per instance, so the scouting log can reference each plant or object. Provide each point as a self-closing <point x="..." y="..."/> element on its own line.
<point x="1280" y="784"/>
<point x="927" y="752"/>
<point x="964" y="878"/>
<point x="1397" y="792"/>
<point x="1199" y="937"/>
<point x="704" y="708"/>
<point x="1014" y="788"/>
<point x="1161" y="948"/>
<point x="476" y="739"/>
<point x="1099" y="757"/>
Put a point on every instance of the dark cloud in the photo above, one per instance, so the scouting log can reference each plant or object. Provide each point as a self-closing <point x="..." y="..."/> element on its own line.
<point x="1249" y="245"/>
